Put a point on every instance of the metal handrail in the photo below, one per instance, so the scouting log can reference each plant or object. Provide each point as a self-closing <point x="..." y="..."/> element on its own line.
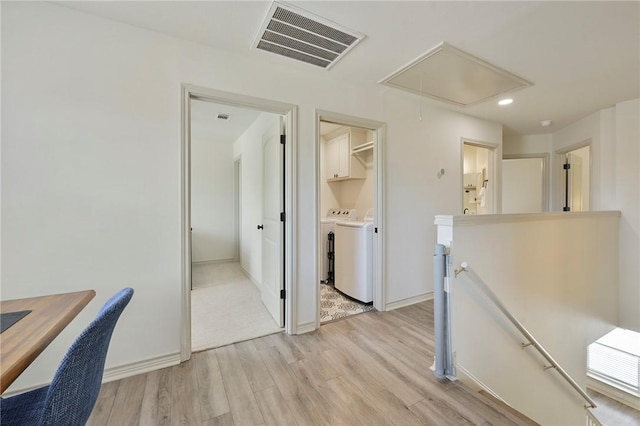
<point x="464" y="267"/>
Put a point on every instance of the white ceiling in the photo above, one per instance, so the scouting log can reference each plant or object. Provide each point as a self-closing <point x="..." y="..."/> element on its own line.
<point x="581" y="56"/>
<point x="205" y="124"/>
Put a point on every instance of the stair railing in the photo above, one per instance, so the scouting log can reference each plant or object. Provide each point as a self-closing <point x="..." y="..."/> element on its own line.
<point x="464" y="267"/>
<point x="591" y="419"/>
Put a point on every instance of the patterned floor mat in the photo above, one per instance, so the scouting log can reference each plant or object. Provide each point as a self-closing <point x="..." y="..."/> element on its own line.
<point x="334" y="305"/>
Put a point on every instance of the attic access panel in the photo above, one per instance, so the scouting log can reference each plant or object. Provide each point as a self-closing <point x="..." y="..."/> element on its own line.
<point x="451" y="75"/>
<point x="297" y="34"/>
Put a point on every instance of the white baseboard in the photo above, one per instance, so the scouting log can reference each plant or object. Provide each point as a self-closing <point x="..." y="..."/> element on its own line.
<point x="306" y="327"/>
<point x="250" y="278"/>
<point x="613" y="393"/>
<point x="408" y="301"/>
<point x="213" y="262"/>
<point x="473" y="382"/>
<point x="140" y="367"/>
<point x="119" y="372"/>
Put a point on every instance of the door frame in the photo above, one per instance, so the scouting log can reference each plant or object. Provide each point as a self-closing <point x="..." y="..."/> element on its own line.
<point x="559" y="157"/>
<point x="545" y="157"/>
<point x="237" y="205"/>
<point x="290" y="112"/>
<point x="495" y="174"/>
<point x="379" y="129"/>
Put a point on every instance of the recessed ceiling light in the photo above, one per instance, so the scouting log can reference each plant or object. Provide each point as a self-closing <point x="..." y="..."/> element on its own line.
<point x="546" y="123"/>
<point x="506" y="101"/>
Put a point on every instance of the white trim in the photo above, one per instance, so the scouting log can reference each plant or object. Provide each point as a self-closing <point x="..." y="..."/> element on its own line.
<point x="250" y="278"/>
<point x="379" y="129"/>
<point x="490" y="219"/>
<point x="306" y="327"/>
<point x="473" y="382"/>
<point x="185" y="220"/>
<point x="213" y="262"/>
<point x="290" y="111"/>
<point x="140" y="367"/>
<point x="409" y="301"/>
<point x="118" y="372"/>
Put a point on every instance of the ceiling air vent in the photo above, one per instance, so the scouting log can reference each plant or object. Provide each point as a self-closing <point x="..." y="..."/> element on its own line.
<point x="299" y="35"/>
<point x="451" y="75"/>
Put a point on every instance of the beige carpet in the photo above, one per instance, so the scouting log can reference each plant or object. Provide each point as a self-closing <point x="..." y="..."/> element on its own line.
<point x="226" y="307"/>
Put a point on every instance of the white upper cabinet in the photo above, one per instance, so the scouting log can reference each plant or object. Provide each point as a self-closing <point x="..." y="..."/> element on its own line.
<point x="341" y="164"/>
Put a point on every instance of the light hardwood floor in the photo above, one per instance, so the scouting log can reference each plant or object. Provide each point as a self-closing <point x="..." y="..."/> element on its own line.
<point x="368" y="369"/>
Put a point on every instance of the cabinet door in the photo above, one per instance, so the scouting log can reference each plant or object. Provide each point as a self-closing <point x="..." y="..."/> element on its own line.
<point x="333" y="159"/>
<point x="338" y="157"/>
<point x="344" y="156"/>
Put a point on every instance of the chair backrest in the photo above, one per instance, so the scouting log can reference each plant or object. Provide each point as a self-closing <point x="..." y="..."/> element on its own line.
<point x="76" y="384"/>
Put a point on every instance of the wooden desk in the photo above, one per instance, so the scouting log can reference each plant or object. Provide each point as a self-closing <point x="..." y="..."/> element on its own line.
<point x="21" y="343"/>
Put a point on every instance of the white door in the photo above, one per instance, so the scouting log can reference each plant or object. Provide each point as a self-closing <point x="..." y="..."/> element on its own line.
<point x="272" y="231"/>
<point x="522" y="185"/>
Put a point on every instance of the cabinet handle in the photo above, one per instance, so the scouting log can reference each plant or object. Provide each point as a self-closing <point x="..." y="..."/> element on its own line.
<point x="260" y="227"/>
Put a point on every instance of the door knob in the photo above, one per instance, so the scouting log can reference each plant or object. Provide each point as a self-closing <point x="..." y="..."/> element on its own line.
<point x="260" y="227"/>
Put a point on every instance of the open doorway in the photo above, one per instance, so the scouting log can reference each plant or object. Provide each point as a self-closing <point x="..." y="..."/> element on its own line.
<point x="576" y="179"/>
<point x="236" y="237"/>
<point x="237" y="176"/>
<point x="478" y="178"/>
<point x="348" y="201"/>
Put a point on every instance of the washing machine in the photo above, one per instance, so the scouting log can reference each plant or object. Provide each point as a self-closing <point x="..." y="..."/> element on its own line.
<point x="327" y="225"/>
<point x="354" y="258"/>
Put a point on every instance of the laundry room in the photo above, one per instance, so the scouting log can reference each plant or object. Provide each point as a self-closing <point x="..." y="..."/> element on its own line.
<point x="347" y="198"/>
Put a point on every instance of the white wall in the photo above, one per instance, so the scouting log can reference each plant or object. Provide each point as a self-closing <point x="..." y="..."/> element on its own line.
<point x="527" y="144"/>
<point x="91" y="169"/>
<point x="556" y="273"/>
<point x="212" y="197"/>
<point x="627" y="196"/>
<point x="248" y="147"/>
<point x="615" y="155"/>
<point x="415" y="151"/>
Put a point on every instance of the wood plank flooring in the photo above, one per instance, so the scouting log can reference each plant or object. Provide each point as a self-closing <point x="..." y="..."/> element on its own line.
<point x="368" y="369"/>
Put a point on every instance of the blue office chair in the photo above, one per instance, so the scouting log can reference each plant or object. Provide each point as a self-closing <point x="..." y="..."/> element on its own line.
<point x="72" y="394"/>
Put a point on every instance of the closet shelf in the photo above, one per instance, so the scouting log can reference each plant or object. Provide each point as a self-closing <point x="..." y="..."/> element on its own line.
<point x="363" y="147"/>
